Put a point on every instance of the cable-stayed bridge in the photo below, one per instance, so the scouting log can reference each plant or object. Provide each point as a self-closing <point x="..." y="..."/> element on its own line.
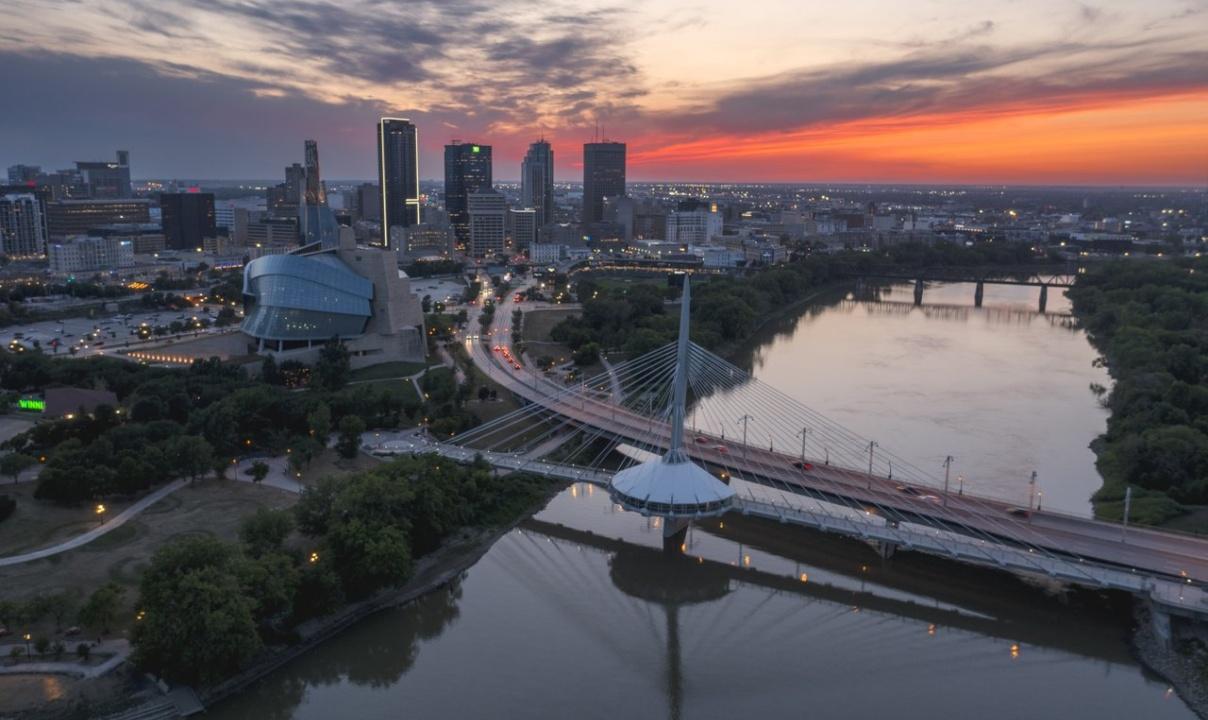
<point x="680" y="433"/>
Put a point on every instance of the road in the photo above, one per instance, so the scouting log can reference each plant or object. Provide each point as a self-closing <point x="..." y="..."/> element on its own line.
<point x="1151" y="551"/>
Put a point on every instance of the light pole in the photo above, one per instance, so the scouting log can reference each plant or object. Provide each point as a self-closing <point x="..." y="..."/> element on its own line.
<point x="804" y="432"/>
<point x="947" y="469"/>
<point x="960" y="487"/>
<point x="100" y="511"/>
<point x="1127" y="507"/>
<point x="1031" y="490"/>
<point x="872" y="445"/>
<point x="745" y="419"/>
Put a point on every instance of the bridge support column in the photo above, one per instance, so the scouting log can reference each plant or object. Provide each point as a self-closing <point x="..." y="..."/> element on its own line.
<point x="1159" y="622"/>
<point x="1044" y="297"/>
<point x="675" y="532"/>
<point x="979" y="293"/>
<point x="886" y="549"/>
<point x="918" y="291"/>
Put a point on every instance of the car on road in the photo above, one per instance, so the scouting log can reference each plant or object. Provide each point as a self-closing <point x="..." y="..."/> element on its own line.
<point x="702" y="440"/>
<point x="931" y="498"/>
<point x="721" y="449"/>
<point x="907" y="490"/>
<point x="804" y="466"/>
<point x="1019" y="512"/>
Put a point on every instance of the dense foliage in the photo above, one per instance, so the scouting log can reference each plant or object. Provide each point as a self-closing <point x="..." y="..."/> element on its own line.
<point x="179" y="422"/>
<point x="1150" y="322"/>
<point x="208" y="606"/>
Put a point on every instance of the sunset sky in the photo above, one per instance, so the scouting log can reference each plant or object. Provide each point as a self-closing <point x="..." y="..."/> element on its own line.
<point x="1029" y="91"/>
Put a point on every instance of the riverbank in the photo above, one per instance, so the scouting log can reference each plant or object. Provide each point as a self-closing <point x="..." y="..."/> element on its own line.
<point x="432" y="572"/>
<point x="1185" y="671"/>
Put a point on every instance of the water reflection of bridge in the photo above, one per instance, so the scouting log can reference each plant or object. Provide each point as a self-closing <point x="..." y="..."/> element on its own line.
<point x="984" y="602"/>
<point x="959" y="313"/>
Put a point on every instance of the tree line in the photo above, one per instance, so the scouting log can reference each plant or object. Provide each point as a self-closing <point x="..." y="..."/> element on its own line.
<point x="1149" y="320"/>
<point x="208" y="607"/>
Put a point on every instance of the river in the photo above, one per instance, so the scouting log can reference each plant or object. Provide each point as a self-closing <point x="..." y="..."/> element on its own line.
<point x="580" y="612"/>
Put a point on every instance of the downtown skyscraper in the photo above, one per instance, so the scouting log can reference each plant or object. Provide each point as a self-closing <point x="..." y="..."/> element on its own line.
<point x="537" y="181"/>
<point x="316" y="221"/>
<point x="467" y="171"/>
<point x="398" y="174"/>
<point x="603" y="176"/>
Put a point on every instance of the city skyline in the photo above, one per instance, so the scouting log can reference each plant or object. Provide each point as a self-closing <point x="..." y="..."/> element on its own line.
<point x="1109" y="93"/>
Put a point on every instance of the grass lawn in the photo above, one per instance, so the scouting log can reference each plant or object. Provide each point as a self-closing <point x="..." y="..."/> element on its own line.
<point x="385" y="371"/>
<point x="405" y="387"/>
<point x="538" y="323"/>
<point x="331" y="464"/>
<point x="37" y="524"/>
<point x="208" y="507"/>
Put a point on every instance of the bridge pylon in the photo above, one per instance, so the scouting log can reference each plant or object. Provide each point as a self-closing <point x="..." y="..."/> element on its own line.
<point x="672" y="486"/>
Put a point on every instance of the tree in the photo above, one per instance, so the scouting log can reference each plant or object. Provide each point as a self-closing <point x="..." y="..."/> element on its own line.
<point x="13" y="464"/>
<point x="42" y="645"/>
<point x="189" y="455"/>
<point x="258" y="471"/>
<point x="83" y="651"/>
<point x="426" y="304"/>
<point x="270" y="373"/>
<point x="587" y="354"/>
<point x="331" y="371"/>
<point x="484" y="392"/>
<point x="60" y="605"/>
<point x="319" y="421"/>
<point x="101" y="608"/>
<point x="14" y="653"/>
<point x="219" y="465"/>
<point x="198" y="625"/>
<point x="265" y="530"/>
<point x="351" y="428"/>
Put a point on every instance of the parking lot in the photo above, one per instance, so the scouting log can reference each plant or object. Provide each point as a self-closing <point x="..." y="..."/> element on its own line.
<point x="96" y="335"/>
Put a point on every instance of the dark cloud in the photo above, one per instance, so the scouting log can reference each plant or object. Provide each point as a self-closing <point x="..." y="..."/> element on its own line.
<point x="943" y="79"/>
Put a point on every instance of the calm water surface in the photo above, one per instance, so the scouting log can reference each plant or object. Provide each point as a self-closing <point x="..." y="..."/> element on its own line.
<point x="581" y="613"/>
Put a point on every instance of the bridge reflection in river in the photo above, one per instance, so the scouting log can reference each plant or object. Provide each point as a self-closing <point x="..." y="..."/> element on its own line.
<point x="568" y="617"/>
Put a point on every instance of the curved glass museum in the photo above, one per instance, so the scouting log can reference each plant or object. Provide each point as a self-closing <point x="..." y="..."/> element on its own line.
<point x="305" y="298"/>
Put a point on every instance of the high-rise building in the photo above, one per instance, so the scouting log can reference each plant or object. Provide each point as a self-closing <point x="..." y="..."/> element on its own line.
<point x="107" y="179"/>
<point x="188" y="219"/>
<point x="23" y="174"/>
<point x="467" y="171"/>
<point x="488" y="223"/>
<point x="603" y="176"/>
<point x="367" y="202"/>
<point x="41" y="193"/>
<point x="295" y="183"/>
<point x="75" y="217"/>
<point x="22" y="229"/>
<point x="316" y="221"/>
<point x="693" y="227"/>
<point x="524" y="228"/>
<point x="88" y="254"/>
<point x="427" y="240"/>
<point x="537" y="181"/>
<point x="398" y="173"/>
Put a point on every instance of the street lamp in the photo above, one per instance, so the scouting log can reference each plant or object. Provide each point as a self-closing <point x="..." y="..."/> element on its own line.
<point x="27" y="637"/>
<point x="947" y="469"/>
<point x="804" y="432"/>
<point x="100" y="511"/>
<point x="1031" y="490"/>
<point x="872" y="445"/>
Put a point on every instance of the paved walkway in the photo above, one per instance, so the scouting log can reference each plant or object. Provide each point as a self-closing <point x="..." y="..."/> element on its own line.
<point x="118" y="649"/>
<point x="279" y="477"/>
<point x="111" y="524"/>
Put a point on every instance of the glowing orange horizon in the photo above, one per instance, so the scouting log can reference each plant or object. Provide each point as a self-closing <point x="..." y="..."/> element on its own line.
<point x="1110" y="138"/>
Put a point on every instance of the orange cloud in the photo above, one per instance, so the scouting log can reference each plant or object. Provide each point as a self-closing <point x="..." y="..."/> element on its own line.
<point x="1100" y="139"/>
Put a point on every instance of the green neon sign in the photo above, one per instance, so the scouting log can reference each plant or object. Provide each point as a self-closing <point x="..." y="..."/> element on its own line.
<point x="31" y="404"/>
<point x="475" y="148"/>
